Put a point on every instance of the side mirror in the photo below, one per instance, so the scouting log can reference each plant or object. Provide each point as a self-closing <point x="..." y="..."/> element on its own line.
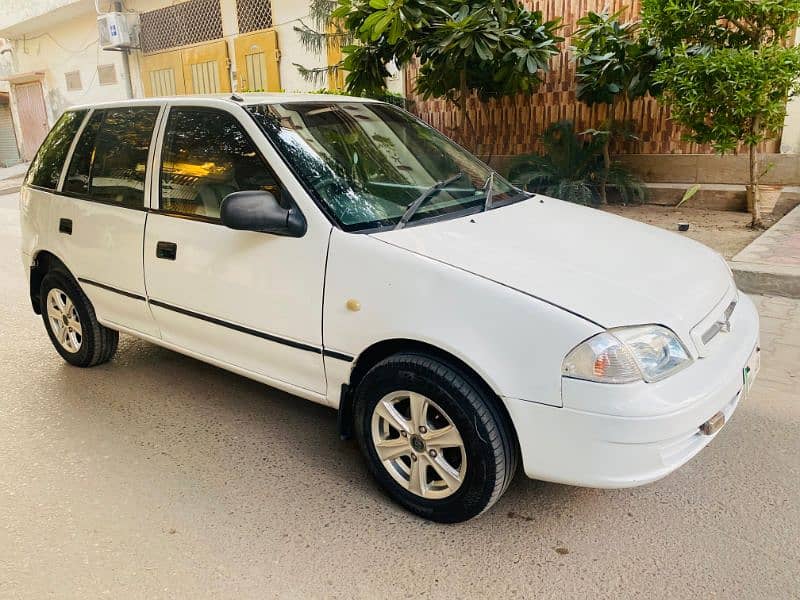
<point x="259" y="210"/>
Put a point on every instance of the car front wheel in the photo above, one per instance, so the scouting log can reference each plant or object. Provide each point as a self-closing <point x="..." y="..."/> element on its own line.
<point x="433" y="437"/>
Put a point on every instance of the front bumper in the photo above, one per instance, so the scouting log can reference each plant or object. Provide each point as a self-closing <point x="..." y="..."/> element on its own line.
<point x="633" y="434"/>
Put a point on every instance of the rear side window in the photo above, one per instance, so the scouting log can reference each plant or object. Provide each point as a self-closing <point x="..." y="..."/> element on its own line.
<point x="208" y="155"/>
<point x="77" y="180"/>
<point x="110" y="159"/>
<point x="45" y="169"/>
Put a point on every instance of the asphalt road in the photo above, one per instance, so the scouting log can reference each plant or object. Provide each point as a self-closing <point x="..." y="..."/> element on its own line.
<point x="157" y="476"/>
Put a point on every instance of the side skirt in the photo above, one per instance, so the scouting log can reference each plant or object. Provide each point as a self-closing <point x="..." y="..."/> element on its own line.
<point x="276" y="383"/>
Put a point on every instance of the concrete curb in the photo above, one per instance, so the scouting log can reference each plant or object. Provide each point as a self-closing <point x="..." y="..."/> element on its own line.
<point x="775" y="280"/>
<point x="771" y="263"/>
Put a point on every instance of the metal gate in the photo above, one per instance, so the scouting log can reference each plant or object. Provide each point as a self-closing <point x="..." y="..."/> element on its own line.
<point x="200" y="69"/>
<point x="32" y="116"/>
<point x="257" y="59"/>
<point x="9" y="154"/>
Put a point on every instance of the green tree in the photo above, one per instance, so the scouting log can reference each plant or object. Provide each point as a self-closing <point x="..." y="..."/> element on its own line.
<point x="729" y="71"/>
<point x="321" y="33"/>
<point x="493" y="49"/>
<point x="614" y="66"/>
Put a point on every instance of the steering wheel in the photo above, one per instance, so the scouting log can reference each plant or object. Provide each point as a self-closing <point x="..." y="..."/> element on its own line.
<point x="326" y="183"/>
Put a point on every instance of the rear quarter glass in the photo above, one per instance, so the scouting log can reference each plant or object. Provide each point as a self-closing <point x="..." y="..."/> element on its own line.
<point x="45" y="169"/>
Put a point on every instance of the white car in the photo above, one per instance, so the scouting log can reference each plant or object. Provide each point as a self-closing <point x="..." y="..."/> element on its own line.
<point x="343" y="251"/>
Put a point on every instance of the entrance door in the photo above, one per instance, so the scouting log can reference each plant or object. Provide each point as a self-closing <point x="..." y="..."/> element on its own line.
<point x="32" y="116"/>
<point x="257" y="60"/>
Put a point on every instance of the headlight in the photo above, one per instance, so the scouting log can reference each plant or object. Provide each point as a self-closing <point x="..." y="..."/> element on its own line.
<point x="627" y="354"/>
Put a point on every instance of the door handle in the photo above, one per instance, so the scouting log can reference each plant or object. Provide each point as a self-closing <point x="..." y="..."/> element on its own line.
<point x="166" y="250"/>
<point x="65" y="226"/>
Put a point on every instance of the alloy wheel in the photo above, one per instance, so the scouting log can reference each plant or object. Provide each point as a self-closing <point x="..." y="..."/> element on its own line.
<point x="64" y="320"/>
<point x="418" y="444"/>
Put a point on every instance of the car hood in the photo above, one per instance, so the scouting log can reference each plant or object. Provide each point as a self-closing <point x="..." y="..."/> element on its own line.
<point x="605" y="268"/>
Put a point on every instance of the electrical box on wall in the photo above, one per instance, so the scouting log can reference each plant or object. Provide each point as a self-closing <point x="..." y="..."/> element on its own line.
<point x="114" y="31"/>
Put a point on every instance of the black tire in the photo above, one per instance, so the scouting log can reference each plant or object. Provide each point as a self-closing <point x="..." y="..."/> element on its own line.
<point x="98" y="343"/>
<point x="487" y="434"/>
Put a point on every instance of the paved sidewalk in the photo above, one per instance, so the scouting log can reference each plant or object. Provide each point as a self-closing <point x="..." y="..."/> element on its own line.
<point x="14" y="172"/>
<point x="11" y="178"/>
<point x="771" y="264"/>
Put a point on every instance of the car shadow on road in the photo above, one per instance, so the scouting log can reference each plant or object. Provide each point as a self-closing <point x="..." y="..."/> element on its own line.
<point x="221" y="427"/>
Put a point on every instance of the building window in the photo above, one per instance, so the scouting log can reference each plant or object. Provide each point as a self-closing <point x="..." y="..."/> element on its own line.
<point x="253" y="15"/>
<point x="106" y="74"/>
<point x="180" y="24"/>
<point x="73" y="79"/>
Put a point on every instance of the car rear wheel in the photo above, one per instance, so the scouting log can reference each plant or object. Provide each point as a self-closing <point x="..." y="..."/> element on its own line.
<point x="433" y="437"/>
<point x="71" y="322"/>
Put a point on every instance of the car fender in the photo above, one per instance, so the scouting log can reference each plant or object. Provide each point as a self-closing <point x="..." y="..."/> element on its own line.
<point x="375" y="291"/>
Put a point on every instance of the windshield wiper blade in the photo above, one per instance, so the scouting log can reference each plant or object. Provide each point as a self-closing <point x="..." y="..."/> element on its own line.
<point x="426" y="195"/>
<point x="487" y="188"/>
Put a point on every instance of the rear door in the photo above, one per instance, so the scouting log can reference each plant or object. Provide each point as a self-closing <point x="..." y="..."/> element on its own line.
<point x="251" y="300"/>
<point x="39" y="198"/>
<point x="105" y="183"/>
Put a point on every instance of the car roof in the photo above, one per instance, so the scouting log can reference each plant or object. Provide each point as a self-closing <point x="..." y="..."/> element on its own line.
<point x="236" y="98"/>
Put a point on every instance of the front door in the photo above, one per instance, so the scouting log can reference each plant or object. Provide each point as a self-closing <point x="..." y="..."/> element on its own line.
<point x="249" y="300"/>
<point x="32" y="117"/>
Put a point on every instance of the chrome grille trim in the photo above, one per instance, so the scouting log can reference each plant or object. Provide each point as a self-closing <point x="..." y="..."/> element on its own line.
<point x="721" y="325"/>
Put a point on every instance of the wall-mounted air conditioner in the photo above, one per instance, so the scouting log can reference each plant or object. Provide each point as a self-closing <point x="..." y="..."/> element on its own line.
<point x="114" y="31"/>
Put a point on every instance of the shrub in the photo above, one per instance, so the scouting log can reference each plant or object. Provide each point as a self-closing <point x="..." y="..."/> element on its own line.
<point x="572" y="169"/>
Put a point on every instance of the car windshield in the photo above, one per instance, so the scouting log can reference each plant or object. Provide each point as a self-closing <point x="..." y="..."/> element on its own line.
<point x="367" y="162"/>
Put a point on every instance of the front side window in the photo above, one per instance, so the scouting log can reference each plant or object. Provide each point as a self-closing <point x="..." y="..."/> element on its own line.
<point x="46" y="166"/>
<point x="110" y="159"/>
<point x="368" y="162"/>
<point x="207" y="155"/>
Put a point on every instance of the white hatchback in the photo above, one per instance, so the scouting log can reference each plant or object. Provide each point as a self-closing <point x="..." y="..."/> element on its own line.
<point x="343" y="251"/>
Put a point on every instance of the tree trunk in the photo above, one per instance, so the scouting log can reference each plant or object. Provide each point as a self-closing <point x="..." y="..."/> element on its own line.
<point x="607" y="154"/>
<point x="606" y="169"/>
<point x="753" y="190"/>
<point x="466" y="121"/>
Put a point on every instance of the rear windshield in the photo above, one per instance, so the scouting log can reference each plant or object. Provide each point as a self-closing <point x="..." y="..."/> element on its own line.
<point x="45" y="169"/>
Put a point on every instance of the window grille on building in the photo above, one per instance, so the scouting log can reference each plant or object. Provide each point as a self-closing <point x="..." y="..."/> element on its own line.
<point x="73" y="79"/>
<point x="106" y="74"/>
<point x="180" y="24"/>
<point x="253" y="15"/>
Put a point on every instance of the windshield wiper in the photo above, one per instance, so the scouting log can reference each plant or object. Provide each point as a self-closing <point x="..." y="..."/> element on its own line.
<point x="426" y="195"/>
<point x="487" y="189"/>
